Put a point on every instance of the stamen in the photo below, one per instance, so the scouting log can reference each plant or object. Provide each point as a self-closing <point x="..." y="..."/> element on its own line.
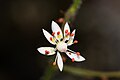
<point x="66" y="31"/>
<point x="66" y="35"/>
<point x="51" y="38"/>
<point x="78" y="53"/>
<point x="59" y="36"/>
<point x="53" y="33"/>
<point x="58" y="32"/>
<point x="75" y="42"/>
<point x="73" y="59"/>
<point x="72" y="34"/>
<point x="54" y="63"/>
<point x="46" y="52"/>
<point x="64" y="39"/>
<point x="70" y="41"/>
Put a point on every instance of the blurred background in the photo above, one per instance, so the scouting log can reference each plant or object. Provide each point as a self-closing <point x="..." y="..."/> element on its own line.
<point x="21" y="23"/>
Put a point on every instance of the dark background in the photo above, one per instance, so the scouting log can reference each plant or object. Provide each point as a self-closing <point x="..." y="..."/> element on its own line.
<point x="21" y="21"/>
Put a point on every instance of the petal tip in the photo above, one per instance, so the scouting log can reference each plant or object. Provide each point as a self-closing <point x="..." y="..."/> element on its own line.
<point x="74" y="30"/>
<point x="39" y="50"/>
<point x="66" y="23"/>
<point x="43" y="30"/>
<point x="53" y="22"/>
<point x="82" y="58"/>
<point x="61" y="70"/>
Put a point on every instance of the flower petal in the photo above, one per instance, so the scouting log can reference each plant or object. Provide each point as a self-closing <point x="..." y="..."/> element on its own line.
<point x="66" y="30"/>
<point x="48" y="36"/>
<point x="59" y="61"/>
<point x="57" y="30"/>
<point x="70" y="42"/>
<point x="47" y="50"/>
<point x="75" y="57"/>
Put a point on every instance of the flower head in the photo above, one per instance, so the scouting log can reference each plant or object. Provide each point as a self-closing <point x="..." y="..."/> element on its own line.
<point x="62" y="41"/>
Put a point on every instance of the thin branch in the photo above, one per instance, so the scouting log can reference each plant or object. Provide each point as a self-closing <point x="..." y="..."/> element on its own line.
<point x="72" y="11"/>
<point x="49" y="73"/>
<point x="91" y="73"/>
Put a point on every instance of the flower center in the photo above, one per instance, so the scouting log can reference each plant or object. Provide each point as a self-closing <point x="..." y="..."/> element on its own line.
<point x="61" y="46"/>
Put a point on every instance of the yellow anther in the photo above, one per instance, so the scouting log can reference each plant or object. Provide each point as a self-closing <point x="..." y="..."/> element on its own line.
<point x="53" y="39"/>
<point x="59" y="36"/>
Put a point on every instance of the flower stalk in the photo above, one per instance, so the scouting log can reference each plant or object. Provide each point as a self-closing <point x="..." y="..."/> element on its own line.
<point x="72" y="11"/>
<point x="91" y="73"/>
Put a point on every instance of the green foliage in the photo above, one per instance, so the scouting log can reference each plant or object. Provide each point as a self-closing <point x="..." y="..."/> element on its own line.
<point x="71" y="12"/>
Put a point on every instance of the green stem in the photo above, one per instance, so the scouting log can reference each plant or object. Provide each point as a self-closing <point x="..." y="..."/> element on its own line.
<point x="90" y="73"/>
<point x="49" y="73"/>
<point x="71" y="12"/>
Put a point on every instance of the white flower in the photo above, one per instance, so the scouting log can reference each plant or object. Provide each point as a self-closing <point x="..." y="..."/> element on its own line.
<point x="62" y="41"/>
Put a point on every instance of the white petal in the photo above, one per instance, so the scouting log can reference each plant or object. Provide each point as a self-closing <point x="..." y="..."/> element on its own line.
<point x="70" y="42"/>
<point x="56" y="28"/>
<point x="43" y="50"/>
<point x="66" y="28"/>
<point x="48" y="35"/>
<point x="59" y="61"/>
<point x="75" y="56"/>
